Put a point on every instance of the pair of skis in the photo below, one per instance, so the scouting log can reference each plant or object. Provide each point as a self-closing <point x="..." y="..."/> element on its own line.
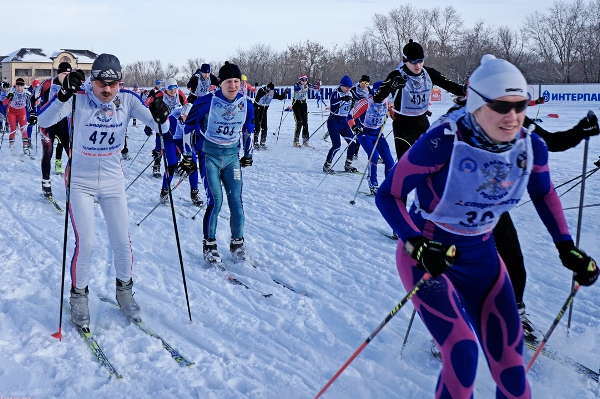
<point x="91" y="342"/>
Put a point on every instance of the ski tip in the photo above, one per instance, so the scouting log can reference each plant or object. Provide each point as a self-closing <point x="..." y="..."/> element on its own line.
<point x="58" y="334"/>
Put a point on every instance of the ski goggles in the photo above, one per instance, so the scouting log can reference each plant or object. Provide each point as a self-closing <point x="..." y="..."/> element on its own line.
<point x="415" y="62"/>
<point x="365" y="82"/>
<point x="172" y="87"/>
<point x="503" y="107"/>
<point x="103" y="84"/>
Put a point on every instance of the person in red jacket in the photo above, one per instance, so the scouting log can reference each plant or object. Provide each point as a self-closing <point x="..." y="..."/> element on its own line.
<point x="18" y="105"/>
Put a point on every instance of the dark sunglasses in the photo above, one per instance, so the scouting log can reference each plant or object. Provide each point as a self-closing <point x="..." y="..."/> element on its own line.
<point x="415" y="62"/>
<point x="503" y="107"/>
<point x="102" y="83"/>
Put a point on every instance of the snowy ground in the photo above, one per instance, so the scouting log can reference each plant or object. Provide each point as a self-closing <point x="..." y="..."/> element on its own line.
<point x="245" y="345"/>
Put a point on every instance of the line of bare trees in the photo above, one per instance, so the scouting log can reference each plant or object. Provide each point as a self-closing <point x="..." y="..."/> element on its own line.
<point x="559" y="46"/>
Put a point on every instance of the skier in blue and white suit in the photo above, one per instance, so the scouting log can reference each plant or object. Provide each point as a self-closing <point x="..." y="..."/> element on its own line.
<point x="340" y="105"/>
<point x="220" y="117"/>
<point x="102" y="113"/>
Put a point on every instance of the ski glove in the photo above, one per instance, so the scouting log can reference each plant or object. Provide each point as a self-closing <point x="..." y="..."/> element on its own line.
<point x="589" y="125"/>
<point x="245" y="161"/>
<point x="10" y="96"/>
<point x="71" y="85"/>
<point x="432" y="257"/>
<point x="357" y="129"/>
<point x="346" y="98"/>
<point x="32" y="119"/>
<point x="573" y="258"/>
<point x="148" y="131"/>
<point x="398" y="82"/>
<point x="187" y="165"/>
<point x="159" y="110"/>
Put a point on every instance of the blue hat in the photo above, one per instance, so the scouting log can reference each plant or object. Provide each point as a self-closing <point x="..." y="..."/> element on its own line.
<point x="346" y="81"/>
<point x="158" y="82"/>
<point x="376" y="86"/>
<point x="205" y="68"/>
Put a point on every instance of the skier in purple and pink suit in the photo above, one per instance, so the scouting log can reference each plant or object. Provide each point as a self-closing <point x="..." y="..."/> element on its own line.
<point x="467" y="170"/>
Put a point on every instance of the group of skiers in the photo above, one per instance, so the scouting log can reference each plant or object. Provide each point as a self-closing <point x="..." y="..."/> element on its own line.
<point x="487" y="154"/>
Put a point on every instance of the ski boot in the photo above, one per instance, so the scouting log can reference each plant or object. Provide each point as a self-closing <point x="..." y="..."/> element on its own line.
<point x="263" y="146"/>
<point x="305" y="143"/>
<point x="58" y="167"/>
<point x="211" y="254"/>
<point x="125" y="153"/>
<point x="528" y="329"/>
<point x="46" y="188"/>
<point x="11" y="148"/>
<point x="256" y="146"/>
<point x="164" y="195"/>
<point x="238" y="250"/>
<point x="26" y="149"/>
<point x="373" y="188"/>
<point x="327" y="168"/>
<point x="80" y="312"/>
<point x="196" y="200"/>
<point x="124" y="298"/>
<point x="349" y="168"/>
<point x="297" y="144"/>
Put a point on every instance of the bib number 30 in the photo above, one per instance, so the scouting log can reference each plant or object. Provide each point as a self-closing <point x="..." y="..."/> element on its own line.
<point x="101" y="136"/>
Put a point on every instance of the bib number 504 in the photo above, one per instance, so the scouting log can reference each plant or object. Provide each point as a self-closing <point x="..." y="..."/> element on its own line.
<point x="94" y="137"/>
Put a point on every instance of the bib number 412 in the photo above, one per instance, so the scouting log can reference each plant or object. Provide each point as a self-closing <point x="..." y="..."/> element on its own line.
<point x="101" y="136"/>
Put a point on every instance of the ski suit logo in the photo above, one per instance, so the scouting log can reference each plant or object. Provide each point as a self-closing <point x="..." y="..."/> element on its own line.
<point x="104" y="114"/>
<point x="496" y="184"/>
<point x="467" y="165"/>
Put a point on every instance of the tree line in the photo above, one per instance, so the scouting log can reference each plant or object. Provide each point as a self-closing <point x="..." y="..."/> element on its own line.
<point x="561" y="45"/>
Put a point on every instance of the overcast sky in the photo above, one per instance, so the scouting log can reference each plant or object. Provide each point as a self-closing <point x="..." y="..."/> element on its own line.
<point x="176" y="30"/>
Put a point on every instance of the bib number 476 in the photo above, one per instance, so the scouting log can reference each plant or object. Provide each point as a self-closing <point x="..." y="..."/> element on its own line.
<point x="101" y="136"/>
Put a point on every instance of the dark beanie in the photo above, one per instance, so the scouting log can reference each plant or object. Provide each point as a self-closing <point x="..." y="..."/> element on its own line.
<point x="413" y="51"/>
<point x="20" y="82"/>
<point x="271" y="86"/>
<point x="365" y="78"/>
<point x="107" y="67"/>
<point x="64" y="67"/>
<point x="205" y="68"/>
<point x="229" y="71"/>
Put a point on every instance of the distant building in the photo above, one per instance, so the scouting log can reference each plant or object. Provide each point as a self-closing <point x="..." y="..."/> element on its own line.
<point x="35" y="63"/>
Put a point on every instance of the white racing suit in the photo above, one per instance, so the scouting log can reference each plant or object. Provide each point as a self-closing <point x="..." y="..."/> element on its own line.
<point x="99" y="132"/>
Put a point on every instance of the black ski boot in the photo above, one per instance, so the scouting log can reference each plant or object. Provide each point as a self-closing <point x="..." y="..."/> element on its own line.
<point x="211" y="254"/>
<point x="196" y="200"/>
<point x="46" y="188"/>
<point x="238" y="250"/>
<point x="349" y="168"/>
<point x="164" y="195"/>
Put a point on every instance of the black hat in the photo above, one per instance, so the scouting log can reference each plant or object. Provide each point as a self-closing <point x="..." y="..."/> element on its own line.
<point x="365" y="78"/>
<point x="20" y="82"/>
<point x="64" y="67"/>
<point x="106" y="67"/>
<point x="271" y="86"/>
<point x="205" y="68"/>
<point x="229" y="71"/>
<point x="413" y="51"/>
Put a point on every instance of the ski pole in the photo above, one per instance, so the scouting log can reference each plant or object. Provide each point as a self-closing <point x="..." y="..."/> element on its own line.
<point x="280" y="118"/>
<point x="374" y="149"/>
<point x="338" y="158"/>
<point x="584" y="206"/>
<point x="410" y="294"/>
<point x="164" y="157"/>
<point x="324" y="122"/>
<point x="142" y="172"/>
<point x="160" y="202"/>
<point x="284" y="118"/>
<point x="568" y="302"/>
<point x="579" y="216"/>
<point x="138" y="153"/>
<point x="58" y="334"/>
<point x="412" y="318"/>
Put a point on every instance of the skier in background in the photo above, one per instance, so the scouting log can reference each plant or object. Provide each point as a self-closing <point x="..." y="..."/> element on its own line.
<point x="263" y="99"/>
<point x="300" y="109"/>
<point x="18" y="107"/>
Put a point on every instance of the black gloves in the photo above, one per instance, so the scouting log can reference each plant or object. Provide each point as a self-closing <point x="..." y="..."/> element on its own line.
<point x="10" y="96"/>
<point x="347" y="97"/>
<point x="148" y="131"/>
<point x="245" y="161"/>
<point x="32" y="119"/>
<point x="589" y="125"/>
<point x="187" y="165"/>
<point x="357" y="129"/>
<point x="398" y="82"/>
<point x="586" y="271"/>
<point x="431" y="256"/>
<point x="71" y="85"/>
<point x="159" y="110"/>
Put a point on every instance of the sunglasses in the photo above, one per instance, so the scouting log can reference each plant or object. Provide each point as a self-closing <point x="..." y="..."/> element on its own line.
<point x="503" y="107"/>
<point x="365" y="82"/>
<point x="102" y="83"/>
<point x="415" y="62"/>
<point x="304" y="79"/>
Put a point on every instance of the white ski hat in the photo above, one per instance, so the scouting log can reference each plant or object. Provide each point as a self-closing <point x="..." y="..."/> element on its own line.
<point x="494" y="78"/>
<point x="169" y="83"/>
